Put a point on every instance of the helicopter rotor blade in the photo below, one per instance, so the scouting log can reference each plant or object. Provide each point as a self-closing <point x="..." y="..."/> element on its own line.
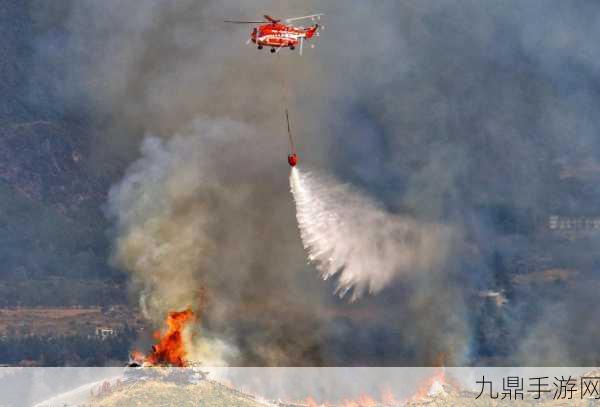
<point x="271" y="19"/>
<point x="244" y="22"/>
<point x="311" y="17"/>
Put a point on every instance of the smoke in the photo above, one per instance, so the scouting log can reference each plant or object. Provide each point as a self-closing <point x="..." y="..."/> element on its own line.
<point x="163" y="210"/>
<point x="348" y="235"/>
<point x="188" y="231"/>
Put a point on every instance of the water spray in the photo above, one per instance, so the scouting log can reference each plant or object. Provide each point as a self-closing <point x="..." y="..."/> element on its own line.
<point x="347" y="235"/>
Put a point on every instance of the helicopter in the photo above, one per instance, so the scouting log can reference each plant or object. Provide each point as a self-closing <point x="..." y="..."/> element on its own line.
<point x="279" y="33"/>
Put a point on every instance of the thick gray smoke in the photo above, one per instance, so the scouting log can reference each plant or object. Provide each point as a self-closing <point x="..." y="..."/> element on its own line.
<point x="350" y="237"/>
<point x="477" y="115"/>
<point x="168" y="232"/>
<point x="187" y="231"/>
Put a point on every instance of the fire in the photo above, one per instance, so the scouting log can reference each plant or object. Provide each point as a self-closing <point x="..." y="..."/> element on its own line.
<point x="170" y="349"/>
<point x="430" y="386"/>
<point x="387" y="397"/>
<point x="434" y="385"/>
<point x="362" y="401"/>
<point x="310" y="402"/>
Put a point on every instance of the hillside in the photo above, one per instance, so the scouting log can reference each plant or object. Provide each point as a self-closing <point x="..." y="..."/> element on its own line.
<point x="210" y="393"/>
<point x="53" y="233"/>
<point x="155" y="393"/>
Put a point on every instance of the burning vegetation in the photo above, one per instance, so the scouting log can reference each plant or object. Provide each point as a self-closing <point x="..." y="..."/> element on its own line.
<point x="170" y="349"/>
<point x="432" y="390"/>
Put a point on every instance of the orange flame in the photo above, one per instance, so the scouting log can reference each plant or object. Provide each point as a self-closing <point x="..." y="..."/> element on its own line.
<point x="170" y="349"/>
<point x="428" y="383"/>
<point x="387" y="397"/>
<point x="362" y="401"/>
<point x="310" y="402"/>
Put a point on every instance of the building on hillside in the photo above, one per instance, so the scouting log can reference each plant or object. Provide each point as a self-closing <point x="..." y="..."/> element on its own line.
<point x="105" y="332"/>
<point x="574" y="226"/>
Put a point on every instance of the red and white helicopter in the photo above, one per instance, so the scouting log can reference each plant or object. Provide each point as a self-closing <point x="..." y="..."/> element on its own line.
<point x="278" y="33"/>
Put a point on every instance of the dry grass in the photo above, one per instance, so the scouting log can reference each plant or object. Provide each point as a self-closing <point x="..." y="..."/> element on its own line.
<point x="155" y="393"/>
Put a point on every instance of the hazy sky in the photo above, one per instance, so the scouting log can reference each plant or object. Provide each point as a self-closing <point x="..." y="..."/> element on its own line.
<point x="460" y="113"/>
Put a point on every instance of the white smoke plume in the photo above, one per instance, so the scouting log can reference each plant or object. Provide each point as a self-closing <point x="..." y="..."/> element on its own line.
<point x="164" y="217"/>
<point x="349" y="235"/>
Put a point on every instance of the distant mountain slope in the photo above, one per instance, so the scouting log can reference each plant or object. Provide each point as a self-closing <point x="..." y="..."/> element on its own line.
<point x="51" y="195"/>
<point x="15" y="57"/>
